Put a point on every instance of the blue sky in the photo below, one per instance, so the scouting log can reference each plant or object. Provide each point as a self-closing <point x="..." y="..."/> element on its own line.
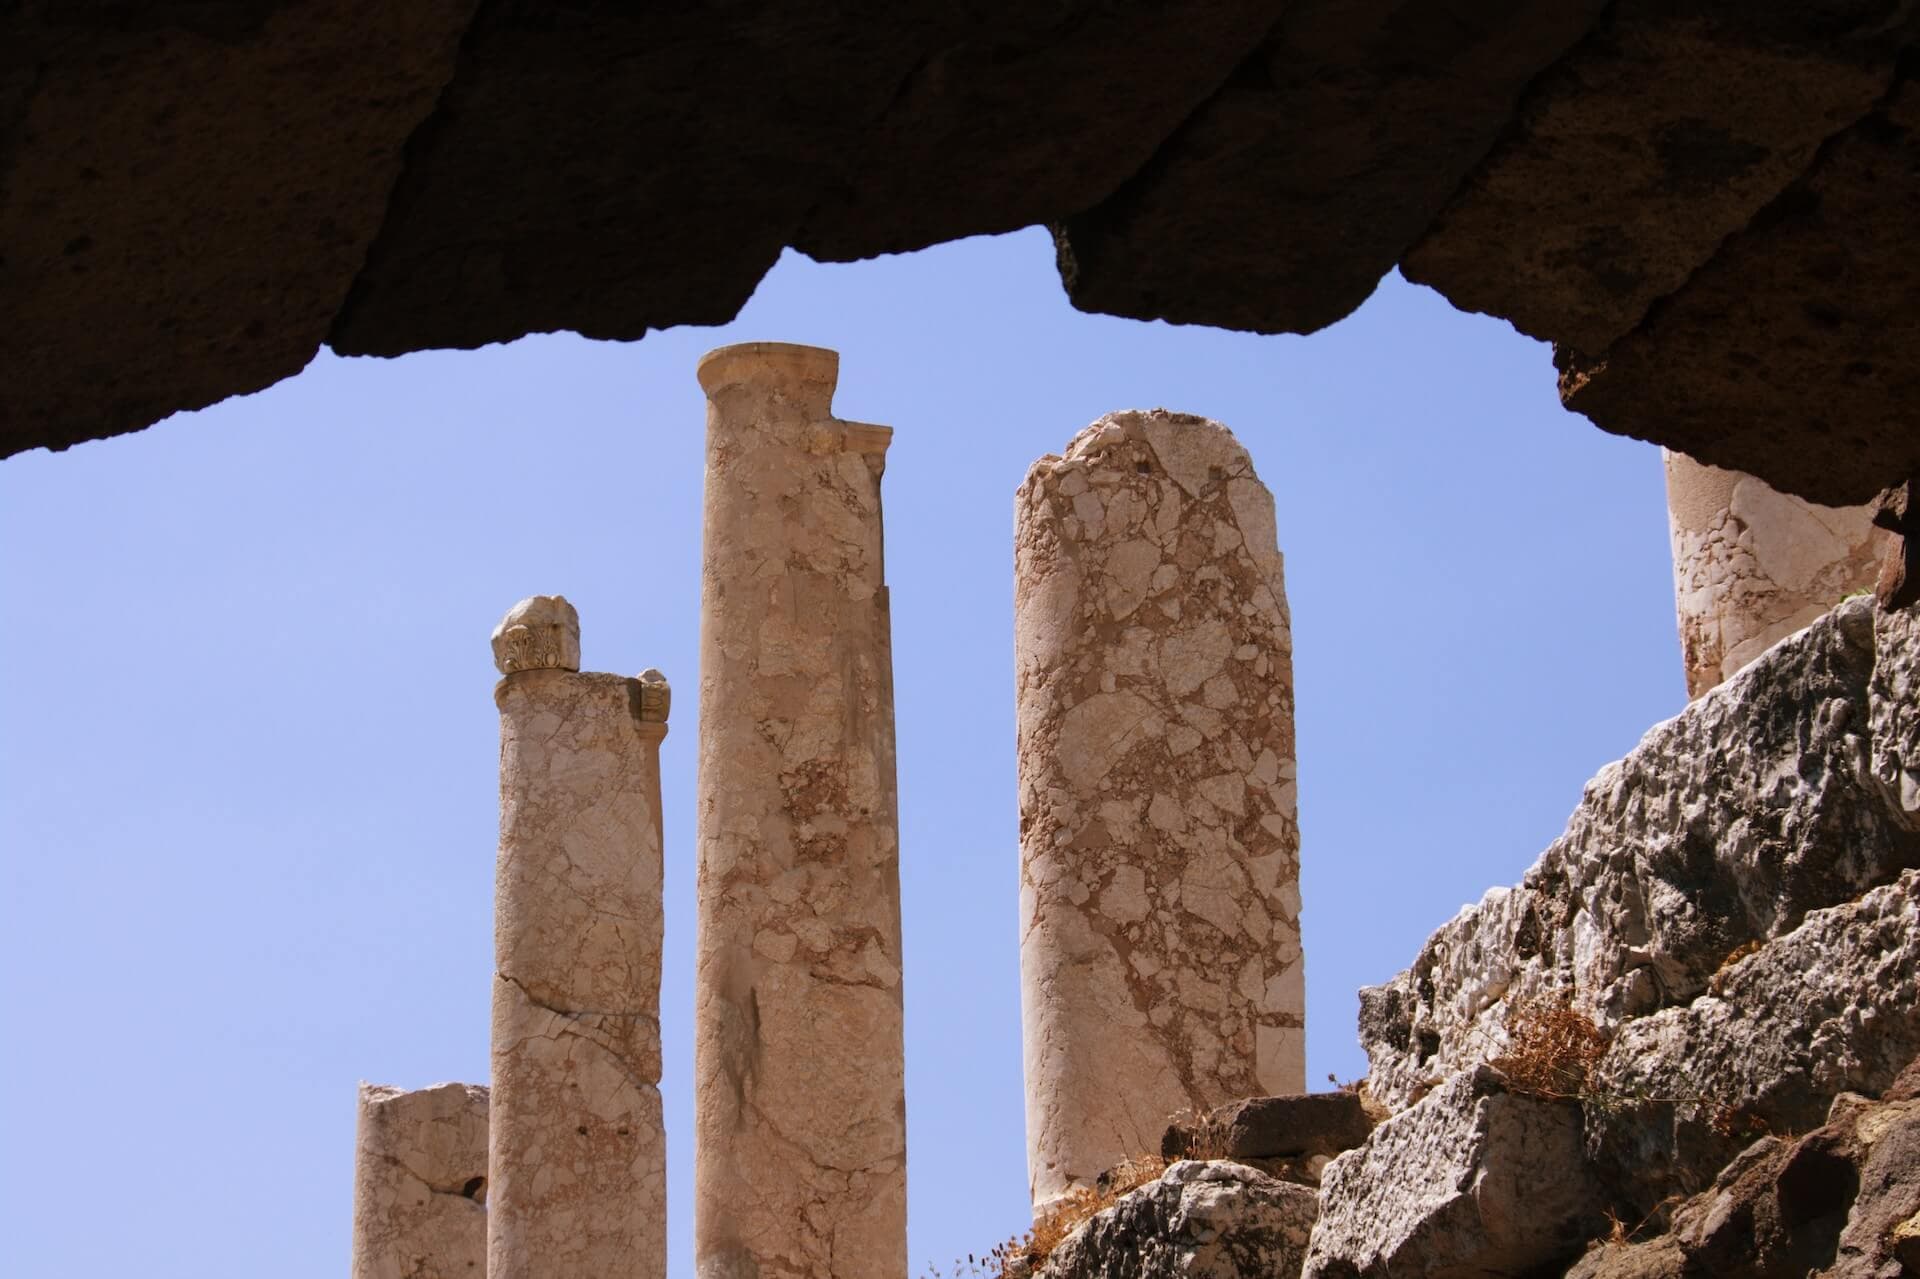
<point x="248" y="747"/>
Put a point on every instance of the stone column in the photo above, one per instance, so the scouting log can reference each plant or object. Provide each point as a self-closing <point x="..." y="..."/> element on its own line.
<point x="1159" y="898"/>
<point x="800" y="1128"/>
<point x="420" y="1183"/>
<point x="1752" y="565"/>
<point x="578" y="1158"/>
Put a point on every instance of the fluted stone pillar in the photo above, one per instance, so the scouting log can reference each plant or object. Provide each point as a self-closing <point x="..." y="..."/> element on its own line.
<point x="420" y="1183"/>
<point x="577" y="1169"/>
<point x="800" y="1129"/>
<point x="1160" y="906"/>
<point x="1752" y="565"/>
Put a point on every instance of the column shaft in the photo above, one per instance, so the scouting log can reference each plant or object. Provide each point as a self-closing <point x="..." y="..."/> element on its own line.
<point x="578" y="1160"/>
<point x="1752" y="565"/>
<point x="801" y="1119"/>
<point x="1160" y="939"/>
<point x="419" y="1183"/>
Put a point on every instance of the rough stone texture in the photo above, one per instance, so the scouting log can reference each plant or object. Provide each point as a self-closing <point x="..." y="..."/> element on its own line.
<point x="1788" y="355"/>
<point x="578" y="1159"/>
<point x="1214" y="1220"/>
<point x="420" y="1183"/>
<point x="1013" y="113"/>
<point x="1306" y="1124"/>
<point x="1472" y="1181"/>
<point x="541" y="633"/>
<point x="1894" y="713"/>
<point x="186" y="190"/>
<point x="1832" y="1007"/>
<point x="1831" y="1203"/>
<point x="1160" y="947"/>
<point x="198" y="191"/>
<point x="1897" y="510"/>
<point x="1662" y="133"/>
<point x="800" y="1110"/>
<point x="1279" y="205"/>
<point x="1752" y="565"/>
<point x="1725" y="826"/>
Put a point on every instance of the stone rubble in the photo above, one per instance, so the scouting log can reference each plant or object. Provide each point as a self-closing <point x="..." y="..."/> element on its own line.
<point x="420" y="1183"/>
<point x="1160" y="945"/>
<point x="1473" y="1180"/>
<point x="1723" y="828"/>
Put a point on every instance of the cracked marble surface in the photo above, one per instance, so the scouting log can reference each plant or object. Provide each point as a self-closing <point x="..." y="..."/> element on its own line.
<point x="1160" y="949"/>
<point x="419" y="1186"/>
<point x="578" y="1162"/>
<point x="799" y="1060"/>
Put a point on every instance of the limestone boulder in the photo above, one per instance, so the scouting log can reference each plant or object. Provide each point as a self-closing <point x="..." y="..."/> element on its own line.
<point x="1305" y="1124"/>
<point x="1474" y="1180"/>
<point x="1217" y="1220"/>
<point x="1779" y="793"/>
<point x="1831" y="1008"/>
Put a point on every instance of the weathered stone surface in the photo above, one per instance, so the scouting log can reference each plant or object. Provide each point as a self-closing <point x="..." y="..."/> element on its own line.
<point x="1321" y="1123"/>
<point x="1472" y="1181"/>
<point x="1725" y="826"/>
<point x="186" y="190"/>
<point x="419" y="1183"/>
<point x="1637" y="154"/>
<point x="1831" y="1203"/>
<point x="1351" y="126"/>
<point x="1832" y="1007"/>
<point x="800" y="1108"/>
<point x="541" y="633"/>
<point x="1894" y="713"/>
<point x="1010" y="113"/>
<point x="1787" y="355"/>
<point x="1160" y="949"/>
<point x="1752" y="565"/>
<point x="1215" y="1220"/>
<point x="578" y="1160"/>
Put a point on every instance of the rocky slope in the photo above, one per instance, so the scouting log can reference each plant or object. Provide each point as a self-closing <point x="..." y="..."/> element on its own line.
<point x="1686" y="1045"/>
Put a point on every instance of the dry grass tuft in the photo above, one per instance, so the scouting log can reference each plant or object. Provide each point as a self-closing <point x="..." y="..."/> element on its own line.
<point x="1023" y="1254"/>
<point x="1552" y="1049"/>
<point x="1717" y="984"/>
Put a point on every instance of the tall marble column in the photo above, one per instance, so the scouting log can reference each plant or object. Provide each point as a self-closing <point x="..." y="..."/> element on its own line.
<point x="577" y="1168"/>
<point x="800" y="1127"/>
<point x="1159" y="899"/>
<point x="420" y="1183"/>
<point x="1752" y="565"/>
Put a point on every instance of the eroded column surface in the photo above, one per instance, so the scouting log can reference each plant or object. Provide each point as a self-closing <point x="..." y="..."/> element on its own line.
<point x="1752" y="565"/>
<point x="577" y="1170"/>
<point x="1160" y="945"/>
<point x="800" y="1126"/>
<point x="420" y="1183"/>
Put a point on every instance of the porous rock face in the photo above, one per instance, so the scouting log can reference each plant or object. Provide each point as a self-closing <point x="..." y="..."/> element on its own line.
<point x="1725" y="826"/>
<point x="1840" y="1203"/>
<point x="1474" y="1180"/>
<point x="420" y="1177"/>
<point x="1832" y="1007"/>
<point x="1304" y="1124"/>
<point x="1160" y="943"/>
<point x="1705" y="204"/>
<point x="1217" y="1220"/>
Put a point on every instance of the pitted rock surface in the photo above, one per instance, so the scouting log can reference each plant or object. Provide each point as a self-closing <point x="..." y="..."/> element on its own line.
<point x="1216" y="1220"/>
<point x="1725" y="826"/>
<point x="1832" y="1007"/>
<point x="1160" y="951"/>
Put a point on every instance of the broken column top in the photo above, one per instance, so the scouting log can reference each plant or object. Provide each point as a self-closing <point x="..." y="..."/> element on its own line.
<point x="808" y="373"/>
<point x="1197" y="452"/>
<point x="539" y="633"/>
